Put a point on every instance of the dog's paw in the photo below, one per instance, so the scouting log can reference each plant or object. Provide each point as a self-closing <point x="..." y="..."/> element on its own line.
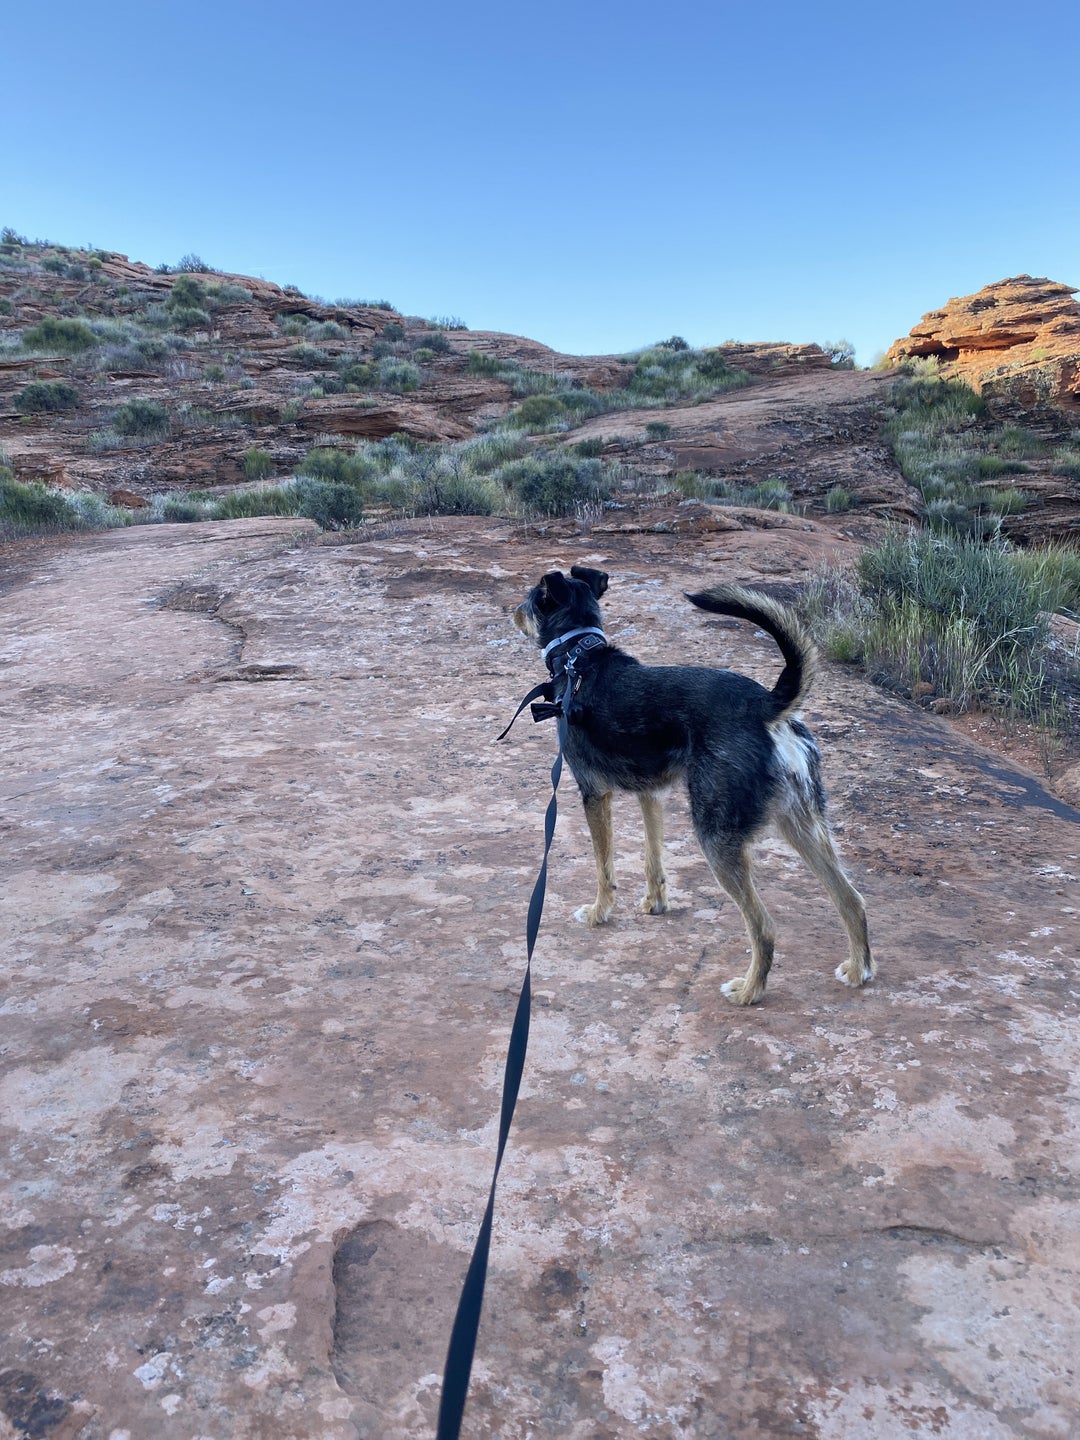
<point x="739" y="993"/>
<point x="654" y="904"/>
<point x="855" y="973"/>
<point x="592" y="915"/>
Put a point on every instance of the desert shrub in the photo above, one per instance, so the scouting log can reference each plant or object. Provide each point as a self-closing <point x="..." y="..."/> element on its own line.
<point x="68" y="337"/>
<point x="358" y="374"/>
<point x="591" y="448"/>
<point x="436" y="340"/>
<point x="183" y="510"/>
<point x="41" y="396"/>
<point x="393" y="331"/>
<point x="140" y="417"/>
<point x="1017" y="441"/>
<point x="263" y="500"/>
<point x="481" y="363"/>
<point x="771" y="494"/>
<point x="675" y="343"/>
<point x="658" y="430"/>
<point x="303" y="325"/>
<point x="841" y="353"/>
<point x="398" y="375"/>
<point x="553" y="483"/>
<point x="93" y="513"/>
<point x="965" y="617"/>
<point x="309" y="355"/>
<point x="32" y="510"/>
<point x="1005" y="502"/>
<point x="194" y="264"/>
<point x="670" y="375"/>
<point x="1067" y="462"/>
<point x="332" y="506"/>
<point x="448" y="322"/>
<point x="838" y="499"/>
<point x="989" y="467"/>
<point x="337" y="466"/>
<point x="258" y="464"/>
<point x="423" y="355"/>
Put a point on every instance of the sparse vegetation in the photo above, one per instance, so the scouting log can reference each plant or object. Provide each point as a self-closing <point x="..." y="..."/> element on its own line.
<point x="771" y="494"/>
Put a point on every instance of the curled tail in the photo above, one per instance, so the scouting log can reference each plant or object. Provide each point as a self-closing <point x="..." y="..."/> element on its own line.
<point x="798" y="650"/>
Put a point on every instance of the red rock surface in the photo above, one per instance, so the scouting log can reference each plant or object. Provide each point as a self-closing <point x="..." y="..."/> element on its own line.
<point x="1018" y="339"/>
<point x="264" y="883"/>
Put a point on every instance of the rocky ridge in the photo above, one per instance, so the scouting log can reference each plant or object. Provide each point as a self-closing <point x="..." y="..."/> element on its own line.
<point x="250" y="377"/>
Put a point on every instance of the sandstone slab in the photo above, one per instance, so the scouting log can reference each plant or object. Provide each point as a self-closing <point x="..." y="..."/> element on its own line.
<point x="262" y="944"/>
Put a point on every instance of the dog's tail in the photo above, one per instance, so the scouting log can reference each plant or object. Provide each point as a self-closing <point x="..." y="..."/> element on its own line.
<point x="798" y="650"/>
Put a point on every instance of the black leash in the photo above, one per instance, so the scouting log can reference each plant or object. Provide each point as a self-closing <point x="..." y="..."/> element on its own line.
<point x="459" y="1356"/>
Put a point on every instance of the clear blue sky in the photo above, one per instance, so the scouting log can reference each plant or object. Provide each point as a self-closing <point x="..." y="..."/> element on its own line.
<point x="593" y="175"/>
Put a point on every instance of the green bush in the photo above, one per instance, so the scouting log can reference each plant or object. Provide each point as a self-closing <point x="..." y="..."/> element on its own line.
<point x="658" y="430"/>
<point x="32" y="510"/>
<point x="399" y="375"/>
<point x="68" y="337"/>
<point x="331" y="506"/>
<point x="140" y="418"/>
<point x="591" y="448"/>
<point x="838" y="499"/>
<point x="41" y="396"/>
<point x="258" y="464"/>
<point x="183" y="510"/>
<point x="553" y="483"/>
<point x="481" y="363"/>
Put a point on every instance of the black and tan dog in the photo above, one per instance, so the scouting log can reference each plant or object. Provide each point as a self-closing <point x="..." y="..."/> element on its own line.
<point x="747" y="760"/>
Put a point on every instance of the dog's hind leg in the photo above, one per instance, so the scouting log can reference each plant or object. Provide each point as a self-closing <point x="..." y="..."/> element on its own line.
<point x="598" y="815"/>
<point x="654" y="901"/>
<point x="732" y="869"/>
<point x="808" y="833"/>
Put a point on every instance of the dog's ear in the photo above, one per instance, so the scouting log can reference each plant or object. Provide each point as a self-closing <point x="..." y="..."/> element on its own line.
<point x="554" y="589"/>
<point x="597" y="580"/>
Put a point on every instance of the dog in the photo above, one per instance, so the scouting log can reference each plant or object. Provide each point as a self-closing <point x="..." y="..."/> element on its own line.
<point x="747" y="759"/>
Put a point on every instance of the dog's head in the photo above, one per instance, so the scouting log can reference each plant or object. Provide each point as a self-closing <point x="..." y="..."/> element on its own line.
<point x="560" y="603"/>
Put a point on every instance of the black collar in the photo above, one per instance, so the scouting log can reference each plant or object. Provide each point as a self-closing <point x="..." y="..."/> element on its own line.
<point x="567" y="652"/>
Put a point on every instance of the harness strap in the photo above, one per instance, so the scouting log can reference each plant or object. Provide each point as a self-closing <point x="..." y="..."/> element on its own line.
<point x="462" y="1347"/>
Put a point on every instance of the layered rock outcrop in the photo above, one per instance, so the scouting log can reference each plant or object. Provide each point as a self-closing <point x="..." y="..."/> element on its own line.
<point x="1018" y="339"/>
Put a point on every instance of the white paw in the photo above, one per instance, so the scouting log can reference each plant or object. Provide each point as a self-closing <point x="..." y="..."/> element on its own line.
<point x="843" y="974"/>
<point x="589" y="915"/>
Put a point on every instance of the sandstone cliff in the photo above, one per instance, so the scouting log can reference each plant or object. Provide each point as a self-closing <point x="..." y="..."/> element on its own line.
<point x="1017" y="339"/>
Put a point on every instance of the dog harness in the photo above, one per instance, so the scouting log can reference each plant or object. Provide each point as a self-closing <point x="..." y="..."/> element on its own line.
<point x="564" y="666"/>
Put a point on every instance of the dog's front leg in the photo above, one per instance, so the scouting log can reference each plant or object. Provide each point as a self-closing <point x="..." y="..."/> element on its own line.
<point x="598" y="814"/>
<point x="654" y="901"/>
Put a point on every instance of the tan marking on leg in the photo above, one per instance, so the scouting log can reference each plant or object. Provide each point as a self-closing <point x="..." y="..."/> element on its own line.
<point x="734" y="876"/>
<point x="654" y="901"/>
<point x="598" y="815"/>
<point x="809" y="835"/>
